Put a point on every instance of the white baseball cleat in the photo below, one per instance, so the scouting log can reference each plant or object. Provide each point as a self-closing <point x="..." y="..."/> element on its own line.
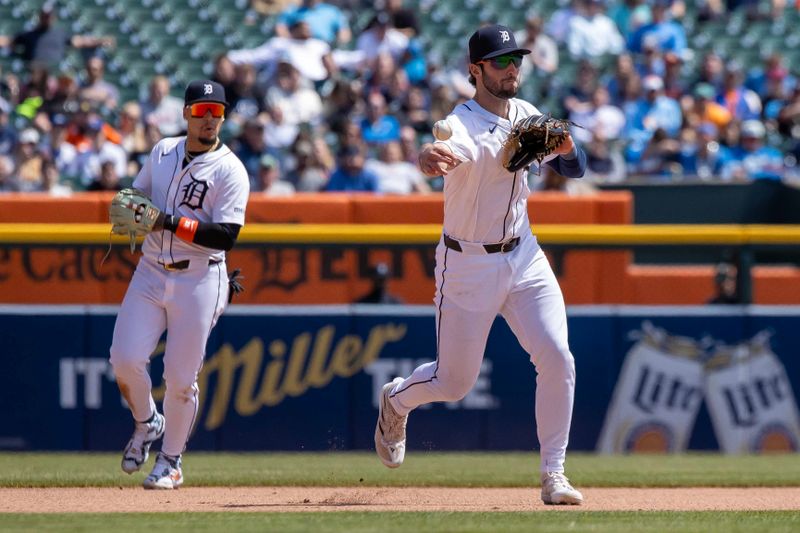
<point x="166" y="474"/>
<point x="138" y="448"/>
<point x="556" y="490"/>
<point x="390" y="431"/>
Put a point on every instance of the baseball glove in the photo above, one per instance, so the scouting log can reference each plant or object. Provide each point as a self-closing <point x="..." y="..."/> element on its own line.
<point x="133" y="214"/>
<point x="533" y="138"/>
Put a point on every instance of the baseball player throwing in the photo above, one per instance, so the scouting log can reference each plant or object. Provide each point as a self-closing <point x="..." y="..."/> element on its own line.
<point x="199" y="191"/>
<point x="488" y="262"/>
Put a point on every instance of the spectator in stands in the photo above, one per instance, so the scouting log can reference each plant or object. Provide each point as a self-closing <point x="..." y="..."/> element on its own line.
<point x="381" y="38"/>
<point x="8" y="135"/>
<point x="415" y="110"/>
<point x="28" y="162"/>
<point x="651" y="60"/>
<point x="47" y="43"/>
<point x="788" y="117"/>
<point x="52" y="180"/>
<point x="377" y="126"/>
<point x="61" y="153"/>
<point x="712" y="71"/>
<point x="409" y="144"/>
<point x="558" y="25"/>
<point x="658" y="157"/>
<point x="706" y="109"/>
<point x="396" y="176"/>
<point x="247" y="98"/>
<point x="65" y="96"/>
<point x="307" y="172"/>
<point x="701" y="154"/>
<point x="101" y="149"/>
<point x="249" y="147"/>
<point x="579" y="94"/>
<point x="643" y="118"/>
<point x="743" y="103"/>
<point x="598" y="116"/>
<point x="630" y="15"/>
<point x="624" y="70"/>
<point x="8" y="179"/>
<point x="326" y="21"/>
<point x="751" y="160"/>
<point x="108" y="180"/>
<point x="380" y="77"/>
<point x="95" y="89"/>
<point x="224" y="73"/>
<point x="674" y="84"/>
<point x="668" y="35"/>
<point x="592" y="33"/>
<point x="163" y="109"/>
<point x="344" y="101"/>
<point x="298" y="103"/>
<point x="279" y="134"/>
<point x="312" y="57"/>
<point x="543" y="59"/>
<point x="604" y="161"/>
<point x="350" y="174"/>
<point x="269" y="178"/>
<point x="403" y="19"/>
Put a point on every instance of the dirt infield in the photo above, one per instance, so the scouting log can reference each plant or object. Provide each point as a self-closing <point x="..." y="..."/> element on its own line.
<point x="295" y="499"/>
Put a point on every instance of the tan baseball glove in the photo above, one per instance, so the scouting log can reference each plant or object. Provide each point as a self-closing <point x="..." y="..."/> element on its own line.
<point x="533" y="138"/>
<point x="133" y="214"/>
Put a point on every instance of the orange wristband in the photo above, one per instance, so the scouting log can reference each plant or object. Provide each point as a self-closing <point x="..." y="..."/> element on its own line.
<point x="186" y="229"/>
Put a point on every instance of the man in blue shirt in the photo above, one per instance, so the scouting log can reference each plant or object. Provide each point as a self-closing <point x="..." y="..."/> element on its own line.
<point x="327" y="22"/>
<point x="350" y="174"/>
<point x="667" y="35"/>
<point x="751" y="160"/>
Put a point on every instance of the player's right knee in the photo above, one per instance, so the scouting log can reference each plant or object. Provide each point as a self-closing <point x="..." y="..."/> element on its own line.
<point x="454" y="389"/>
<point x="126" y="364"/>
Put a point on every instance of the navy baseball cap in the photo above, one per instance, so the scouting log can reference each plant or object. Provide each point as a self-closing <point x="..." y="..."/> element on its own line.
<point x="204" y="91"/>
<point x="493" y="41"/>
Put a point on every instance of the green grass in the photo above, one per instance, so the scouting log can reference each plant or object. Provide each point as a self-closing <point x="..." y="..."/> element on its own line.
<point x="557" y="522"/>
<point x="420" y="469"/>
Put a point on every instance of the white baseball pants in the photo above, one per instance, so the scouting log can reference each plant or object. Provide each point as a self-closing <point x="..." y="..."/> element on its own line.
<point x="472" y="287"/>
<point x="186" y="303"/>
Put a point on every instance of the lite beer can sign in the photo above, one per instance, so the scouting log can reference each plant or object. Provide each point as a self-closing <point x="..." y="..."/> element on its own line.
<point x="657" y="395"/>
<point x="750" y="399"/>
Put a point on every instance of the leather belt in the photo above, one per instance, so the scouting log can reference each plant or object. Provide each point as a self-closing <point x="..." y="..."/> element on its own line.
<point x="503" y="247"/>
<point x="183" y="265"/>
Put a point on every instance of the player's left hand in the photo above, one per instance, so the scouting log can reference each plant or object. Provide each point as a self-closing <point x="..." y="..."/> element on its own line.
<point x="132" y="213"/>
<point x="566" y="146"/>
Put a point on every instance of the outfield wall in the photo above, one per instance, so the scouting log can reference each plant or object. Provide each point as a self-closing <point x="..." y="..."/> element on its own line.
<point x="307" y="378"/>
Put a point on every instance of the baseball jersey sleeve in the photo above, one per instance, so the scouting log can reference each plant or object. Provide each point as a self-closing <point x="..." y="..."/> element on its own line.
<point x="460" y="142"/>
<point x="231" y="196"/>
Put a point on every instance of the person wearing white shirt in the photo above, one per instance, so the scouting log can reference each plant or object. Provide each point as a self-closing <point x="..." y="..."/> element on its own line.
<point x="592" y="33"/>
<point x="396" y="176"/>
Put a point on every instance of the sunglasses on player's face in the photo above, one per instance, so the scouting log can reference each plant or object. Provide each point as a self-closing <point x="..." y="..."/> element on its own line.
<point x="502" y="62"/>
<point x="200" y="109"/>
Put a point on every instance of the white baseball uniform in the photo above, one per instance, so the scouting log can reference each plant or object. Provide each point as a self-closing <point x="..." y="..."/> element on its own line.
<point x="178" y="286"/>
<point x="485" y="205"/>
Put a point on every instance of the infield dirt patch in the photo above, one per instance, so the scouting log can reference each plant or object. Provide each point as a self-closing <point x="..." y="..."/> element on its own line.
<point x="295" y="499"/>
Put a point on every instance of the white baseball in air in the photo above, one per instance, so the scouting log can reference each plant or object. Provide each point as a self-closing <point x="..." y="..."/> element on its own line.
<point x="442" y="130"/>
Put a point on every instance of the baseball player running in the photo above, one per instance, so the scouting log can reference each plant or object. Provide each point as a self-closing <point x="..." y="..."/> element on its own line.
<point x="488" y="262"/>
<point x="180" y="283"/>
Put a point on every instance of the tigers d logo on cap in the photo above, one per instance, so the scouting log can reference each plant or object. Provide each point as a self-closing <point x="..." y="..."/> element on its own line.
<point x="492" y="41"/>
<point x="204" y="91"/>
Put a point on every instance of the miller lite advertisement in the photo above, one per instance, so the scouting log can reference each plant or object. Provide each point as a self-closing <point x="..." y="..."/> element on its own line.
<point x="750" y="399"/>
<point x="657" y="396"/>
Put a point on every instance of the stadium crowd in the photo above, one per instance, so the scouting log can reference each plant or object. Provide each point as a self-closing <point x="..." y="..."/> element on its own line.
<point x="323" y="105"/>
